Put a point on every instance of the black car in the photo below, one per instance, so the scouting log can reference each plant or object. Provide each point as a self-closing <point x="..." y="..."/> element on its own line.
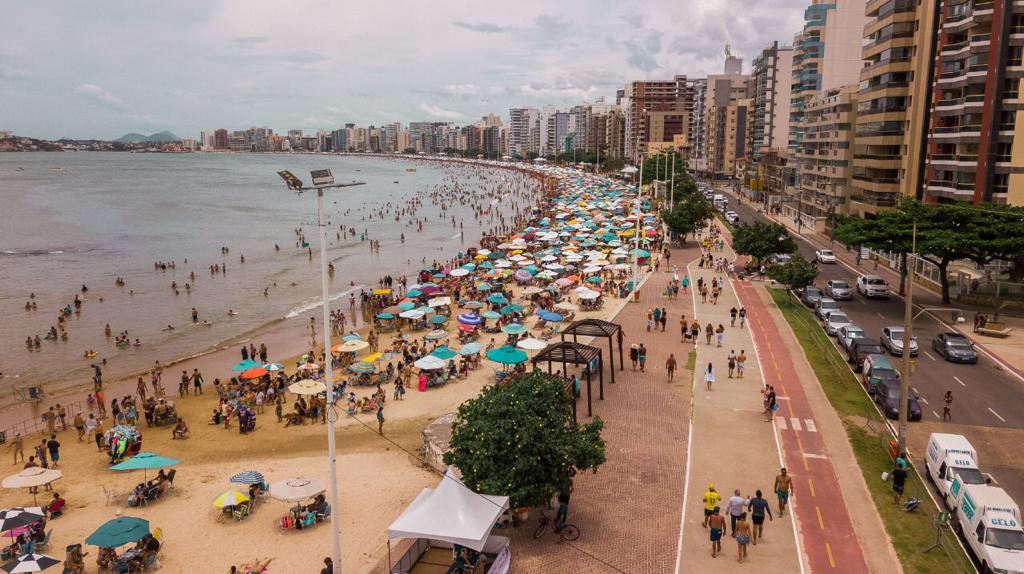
<point x="890" y="400"/>
<point x="860" y="349"/>
<point x="810" y="295"/>
<point x="955" y="348"/>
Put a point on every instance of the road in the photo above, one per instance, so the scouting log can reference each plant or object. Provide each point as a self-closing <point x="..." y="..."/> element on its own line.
<point x="987" y="397"/>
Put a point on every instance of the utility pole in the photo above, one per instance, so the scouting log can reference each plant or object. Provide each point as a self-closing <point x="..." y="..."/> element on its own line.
<point x="672" y="185"/>
<point x="905" y="376"/>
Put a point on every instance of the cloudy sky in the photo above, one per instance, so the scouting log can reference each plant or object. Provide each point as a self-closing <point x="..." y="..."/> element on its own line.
<point x="103" y="68"/>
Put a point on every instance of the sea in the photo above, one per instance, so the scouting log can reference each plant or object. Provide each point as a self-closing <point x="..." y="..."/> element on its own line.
<point x="73" y="223"/>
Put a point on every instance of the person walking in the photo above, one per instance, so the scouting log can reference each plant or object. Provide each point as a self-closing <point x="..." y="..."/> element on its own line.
<point x="664" y="319"/>
<point x="732" y="362"/>
<point x="642" y="356"/>
<point x="686" y="284"/>
<point x="734" y="508"/>
<point x="695" y="331"/>
<point x="770" y="403"/>
<point x="947" y="402"/>
<point x="741" y="363"/>
<point x="758" y="506"/>
<point x="709" y="331"/>
<point x="19" y="448"/>
<point x="783" y="489"/>
<point x="684" y="328"/>
<point x="634" y="354"/>
<point x="899" y="482"/>
<point x="732" y="316"/>
<point x="711" y="499"/>
<point x="716" y="524"/>
<point x="670" y="365"/>
<point x="743" y="316"/>
<point x="53" y="448"/>
<point x="720" y="335"/>
<point x="709" y="376"/>
<point x="79" y="424"/>
<point x="742" y="532"/>
<point x="380" y="419"/>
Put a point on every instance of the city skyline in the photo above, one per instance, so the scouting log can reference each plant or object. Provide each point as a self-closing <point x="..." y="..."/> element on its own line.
<point x="194" y="66"/>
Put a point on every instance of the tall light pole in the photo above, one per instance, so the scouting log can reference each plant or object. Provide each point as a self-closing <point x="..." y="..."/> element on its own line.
<point x="672" y="184"/>
<point x="907" y="320"/>
<point x="322" y="179"/>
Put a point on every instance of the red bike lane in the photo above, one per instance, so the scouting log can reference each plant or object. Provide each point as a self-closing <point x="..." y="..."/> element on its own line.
<point x="830" y="542"/>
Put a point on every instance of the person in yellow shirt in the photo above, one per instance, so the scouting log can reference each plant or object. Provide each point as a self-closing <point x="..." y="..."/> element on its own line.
<point x="711" y="500"/>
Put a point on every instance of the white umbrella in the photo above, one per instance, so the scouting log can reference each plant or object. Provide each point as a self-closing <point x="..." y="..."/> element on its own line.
<point x="532" y="290"/>
<point x="412" y="314"/>
<point x="429" y="363"/>
<point x="531" y="344"/>
<point x="296" y="489"/>
<point x="460" y="272"/>
<point x="309" y="367"/>
<point x="33" y="476"/>
<point x="439" y="301"/>
<point x="307" y="387"/>
<point x="589" y="295"/>
<point x="351" y="346"/>
<point x="565" y="306"/>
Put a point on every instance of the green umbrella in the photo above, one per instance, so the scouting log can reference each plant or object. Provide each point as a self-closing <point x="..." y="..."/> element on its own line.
<point x="443" y="353"/>
<point x="437" y="319"/>
<point x="118" y="532"/>
<point x="514" y="329"/>
<point x="407" y="306"/>
<point x="491" y="315"/>
<point x="507" y="355"/>
<point x="497" y="299"/>
<point x="594" y="279"/>
<point x="385" y="316"/>
<point x="511" y="308"/>
<point x="145" y="460"/>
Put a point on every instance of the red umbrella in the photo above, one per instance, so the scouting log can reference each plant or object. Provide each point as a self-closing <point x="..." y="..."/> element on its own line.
<point x="466" y="328"/>
<point x="254" y="373"/>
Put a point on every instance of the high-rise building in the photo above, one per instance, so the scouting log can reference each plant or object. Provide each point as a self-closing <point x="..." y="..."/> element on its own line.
<point x="220" y="139"/>
<point x="641" y="97"/>
<point x="521" y="122"/>
<point x="825" y="170"/>
<point x="697" y="160"/>
<point x="615" y="133"/>
<point x="725" y="124"/>
<point x="769" y="125"/>
<point x="339" y="140"/>
<point x="733" y="64"/>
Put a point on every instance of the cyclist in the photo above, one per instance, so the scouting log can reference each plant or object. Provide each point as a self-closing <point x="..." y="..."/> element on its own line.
<point x="562" y="518"/>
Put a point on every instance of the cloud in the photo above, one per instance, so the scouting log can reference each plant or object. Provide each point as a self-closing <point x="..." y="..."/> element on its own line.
<point x="643" y="53"/>
<point x="438" y="112"/>
<point x="102" y="97"/>
<point x="482" y="27"/>
<point x="559" y="92"/>
<point x="249" y="40"/>
<point x="9" y="72"/>
<point x="634" y="20"/>
<point x="462" y="89"/>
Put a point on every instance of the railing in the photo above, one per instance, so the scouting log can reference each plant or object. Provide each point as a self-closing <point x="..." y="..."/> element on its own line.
<point x="31" y="426"/>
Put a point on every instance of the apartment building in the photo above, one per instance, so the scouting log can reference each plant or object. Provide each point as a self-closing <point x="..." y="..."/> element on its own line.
<point x="825" y="157"/>
<point x="770" y="93"/>
<point x="641" y="97"/>
<point x="725" y="125"/>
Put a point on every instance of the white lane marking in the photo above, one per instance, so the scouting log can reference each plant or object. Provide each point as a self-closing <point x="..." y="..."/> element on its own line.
<point x="957" y="379"/>
<point x="920" y="398"/>
<point x="781" y="423"/>
<point x="927" y="354"/>
<point x="936" y="415"/>
<point x="810" y="455"/>
<point x="809" y="424"/>
<point x="689" y="457"/>
<point x="796" y="424"/>
<point x="880" y="315"/>
<point x="782" y="398"/>
<point x="997" y="415"/>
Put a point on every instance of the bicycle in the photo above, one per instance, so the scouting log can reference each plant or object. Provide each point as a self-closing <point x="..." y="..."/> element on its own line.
<point x="568" y="532"/>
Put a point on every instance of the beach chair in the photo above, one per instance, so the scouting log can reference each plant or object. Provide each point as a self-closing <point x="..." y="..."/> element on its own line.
<point x="158" y="533"/>
<point x="74" y="562"/>
<point x="241" y="511"/>
<point x="45" y="544"/>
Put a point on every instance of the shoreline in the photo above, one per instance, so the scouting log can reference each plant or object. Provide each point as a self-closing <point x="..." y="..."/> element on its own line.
<point x="25" y="416"/>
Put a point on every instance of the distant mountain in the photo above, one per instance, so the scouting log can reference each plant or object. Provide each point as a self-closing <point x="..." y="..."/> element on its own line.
<point x="157" y="137"/>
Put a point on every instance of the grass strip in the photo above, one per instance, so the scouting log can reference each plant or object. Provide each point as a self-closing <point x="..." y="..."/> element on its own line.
<point x="911" y="532"/>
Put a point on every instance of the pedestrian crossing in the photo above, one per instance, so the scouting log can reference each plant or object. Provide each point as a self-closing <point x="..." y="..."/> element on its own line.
<point x="796" y="424"/>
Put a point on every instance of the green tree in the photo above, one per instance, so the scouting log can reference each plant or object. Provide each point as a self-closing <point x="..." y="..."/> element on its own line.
<point x="688" y="215"/>
<point x="761" y="240"/>
<point x="796" y="274"/>
<point x="519" y="440"/>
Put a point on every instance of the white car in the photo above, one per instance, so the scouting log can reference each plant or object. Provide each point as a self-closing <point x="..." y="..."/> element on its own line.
<point x="838" y="289"/>
<point x="825" y="256"/>
<point x="872" y="286"/>
<point x="836" y="320"/>
<point x="732" y="217"/>
<point x="824" y="306"/>
<point x="849" y="333"/>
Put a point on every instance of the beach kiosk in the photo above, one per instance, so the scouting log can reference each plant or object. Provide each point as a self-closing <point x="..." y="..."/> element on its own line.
<point x="441" y="518"/>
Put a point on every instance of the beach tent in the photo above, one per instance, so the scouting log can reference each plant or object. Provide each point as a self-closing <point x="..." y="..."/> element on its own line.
<point x="451" y="513"/>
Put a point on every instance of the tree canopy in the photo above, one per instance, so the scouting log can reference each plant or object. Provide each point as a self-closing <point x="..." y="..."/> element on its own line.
<point x="519" y="440"/>
<point x="796" y="274"/>
<point x="688" y="214"/>
<point x="761" y="240"/>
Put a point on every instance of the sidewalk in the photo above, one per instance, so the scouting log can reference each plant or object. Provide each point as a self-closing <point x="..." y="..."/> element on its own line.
<point x="732" y="447"/>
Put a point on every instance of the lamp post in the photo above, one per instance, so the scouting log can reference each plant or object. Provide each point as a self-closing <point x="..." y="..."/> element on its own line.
<point x="322" y="179"/>
<point x="907" y="320"/>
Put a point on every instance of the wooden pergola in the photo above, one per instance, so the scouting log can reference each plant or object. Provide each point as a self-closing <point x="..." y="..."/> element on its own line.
<point x="598" y="328"/>
<point x="567" y="352"/>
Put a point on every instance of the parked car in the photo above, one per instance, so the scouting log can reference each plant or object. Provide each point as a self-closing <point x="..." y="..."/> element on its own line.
<point x="872" y="286"/>
<point x="838" y="289"/>
<point x="810" y="295"/>
<point x="732" y="217"/>
<point x="824" y="306"/>
<point x="848" y="334"/>
<point x="836" y="320"/>
<point x="892" y="339"/>
<point x="825" y="256"/>
<point x="955" y="348"/>
<point x="877" y="368"/>
<point x="860" y="349"/>
<point x="888" y="397"/>
<point x="780" y="258"/>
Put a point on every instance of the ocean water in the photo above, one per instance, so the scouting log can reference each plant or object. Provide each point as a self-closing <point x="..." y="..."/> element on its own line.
<point x="84" y="218"/>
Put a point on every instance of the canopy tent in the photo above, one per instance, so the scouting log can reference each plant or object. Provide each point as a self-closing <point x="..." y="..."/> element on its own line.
<point x="451" y="513"/>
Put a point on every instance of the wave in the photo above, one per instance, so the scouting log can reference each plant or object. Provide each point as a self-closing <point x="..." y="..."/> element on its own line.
<point x="314" y="302"/>
<point x="39" y="252"/>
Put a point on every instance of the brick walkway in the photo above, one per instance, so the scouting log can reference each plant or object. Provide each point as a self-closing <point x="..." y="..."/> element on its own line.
<point x="628" y="513"/>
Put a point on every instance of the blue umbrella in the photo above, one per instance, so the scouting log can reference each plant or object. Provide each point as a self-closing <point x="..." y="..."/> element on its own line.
<point x="497" y="299"/>
<point x="118" y="532"/>
<point x="407" y="306"/>
<point x="437" y="319"/>
<point x="348" y="338"/>
<point x="549" y="316"/>
<point x="491" y="315"/>
<point x="514" y="329"/>
<point x="470" y="349"/>
<point x="470" y="319"/>
<point x="507" y="355"/>
<point x="248" y="477"/>
<point x="385" y="316"/>
<point x="443" y="353"/>
<point x="486" y="265"/>
<point x="414" y="293"/>
<point x="484" y="286"/>
<point x="245" y="365"/>
<point x="511" y="308"/>
<point x="145" y="460"/>
<point x="469" y="267"/>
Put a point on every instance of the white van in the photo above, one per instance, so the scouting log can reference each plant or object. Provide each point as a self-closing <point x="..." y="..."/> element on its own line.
<point x="720" y="201"/>
<point x="989" y="521"/>
<point x="949" y="456"/>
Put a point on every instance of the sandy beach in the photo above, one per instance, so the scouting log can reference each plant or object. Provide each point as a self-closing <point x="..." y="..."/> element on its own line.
<point x="378" y="475"/>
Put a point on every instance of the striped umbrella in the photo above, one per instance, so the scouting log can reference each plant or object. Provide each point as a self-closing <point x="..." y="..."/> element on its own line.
<point x="274" y="367"/>
<point x="230" y="498"/>
<point x="248" y="477"/>
<point x="470" y="319"/>
<point x="12" y="518"/>
<point x="30" y="563"/>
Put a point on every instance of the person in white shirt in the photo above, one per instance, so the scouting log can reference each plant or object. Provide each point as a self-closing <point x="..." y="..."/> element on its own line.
<point x="735" y="509"/>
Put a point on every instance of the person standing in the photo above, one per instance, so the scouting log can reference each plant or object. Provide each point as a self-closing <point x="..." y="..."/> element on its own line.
<point x="734" y="508"/>
<point x="686" y="284"/>
<point x="197" y="382"/>
<point x="732" y="362"/>
<point x="716" y="523"/>
<point x="79" y="424"/>
<point x="742" y="532"/>
<point x="380" y="419"/>
<point x="664" y="319"/>
<point x="947" y="402"/>
<point x="783" y="489"/>
<point x="770" y="403"/>
<point x="642" y="356"/>
<point x="41" y="454"/>
<point x="741" y="363"/>
<point x="670" y="365"/>
<point x="758" y="506"/>
<point x="19" y="448"/>
<point x="140" y="388"/>
<point x="711" y="499"/>
<point x="53" y="447"/>
<point x="743" y="316"/>
<point x="709" y="376"/>
<point x="720" y="335"/>
<point x="634" y="354"/>
<point x="899" y="482"/>
<point x="732" y="316"/>
<point x="328" y="566"/>
<point x="709" y="331"/>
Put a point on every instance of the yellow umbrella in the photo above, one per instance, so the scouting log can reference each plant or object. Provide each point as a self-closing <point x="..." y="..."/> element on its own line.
<point x="480" y="257"/>
<point x="381" y="292"/>
<point x="372" y="358"/>
<point x="230" y="498"/>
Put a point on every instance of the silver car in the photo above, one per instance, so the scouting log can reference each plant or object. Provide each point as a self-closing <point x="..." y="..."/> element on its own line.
<point x="892" y="339"/>
<point x="838" y="289"/>
<point x="848" y="334"/>
<point x="824" y="306"/>
<point x="836" y="320"/>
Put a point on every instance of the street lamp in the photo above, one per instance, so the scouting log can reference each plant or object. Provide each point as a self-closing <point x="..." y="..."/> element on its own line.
<point x="322" y="179"/>
<point x="907" y="321"/>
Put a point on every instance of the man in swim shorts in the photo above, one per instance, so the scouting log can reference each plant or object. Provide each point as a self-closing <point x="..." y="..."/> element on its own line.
<point x="783" y="488"/>
<point x="716" y="522"/>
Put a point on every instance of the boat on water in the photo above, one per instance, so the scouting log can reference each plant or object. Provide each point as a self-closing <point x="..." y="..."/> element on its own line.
<point x="410" y="169"/>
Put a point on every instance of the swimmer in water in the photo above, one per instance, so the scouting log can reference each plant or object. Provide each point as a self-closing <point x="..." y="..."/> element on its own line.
<point x="232" y="312"/>
<point x="168" y="328"/>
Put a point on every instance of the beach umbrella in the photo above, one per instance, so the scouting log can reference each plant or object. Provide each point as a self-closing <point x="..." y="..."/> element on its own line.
<point x="30" y="563"/>
<point x="563" y="282"/>
<point x="443" y="353"/>
<point x="511" y="308"/>
<point x="491" y="315"/>
<point x="588" y="295"/>
<point x="254" y="373"/>
<point x="486" y="265"/>
<point x="436" y="335"/>
<point x="144" y="461"/>
<point x="296" y="489"/>
<point x="431" y="290"/>
<point x="531" y="344"/>
<point x="385" y="316"/>
<point x="406" y="306"/>
<point x="392" y="309"/>
<point x="307" y="387"/>
<point x="469" y="267"/>
<point x="32" y="477"/>
<point x="414" y="293"/>
<point x="429" y="363"/>
<point x="472" y="305"/>
<point x="514" y="329"/>
<point x="497" y="299"/>
<point x="641" y="253"/>
<point x="248" y="477"/>
<point x="484" y="286"/>
<point x="412" y="314"/>
<point x="565" y="306"/>
<point x="470" y="349"/>
<point x="532" y="290"/>
<point x="118" y="532"/>
<point x="230" y="498"/>
<point x="437" y="319"/>
<point x="352" y="337"/>
<point x="381" y="291"/>
<point x="17" y="517"/>
<point x="350" y="346"/>
<point x="273" y="367"/>
<point x="522" y="276"/>
<point x="595" y="279"/>
<point x="470" y="319"/>
<point x="467" y="328"/>
<point x="439" y="302"/>
<point x="549" y="316"/>
<point x="362" y="367"/>
<point x="460" y="272"/>
<point x="244" y="365"/>
<point x="507" y="355"/>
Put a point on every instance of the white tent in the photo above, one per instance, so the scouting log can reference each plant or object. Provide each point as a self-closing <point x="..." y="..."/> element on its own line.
<point x="451" y="513"/>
